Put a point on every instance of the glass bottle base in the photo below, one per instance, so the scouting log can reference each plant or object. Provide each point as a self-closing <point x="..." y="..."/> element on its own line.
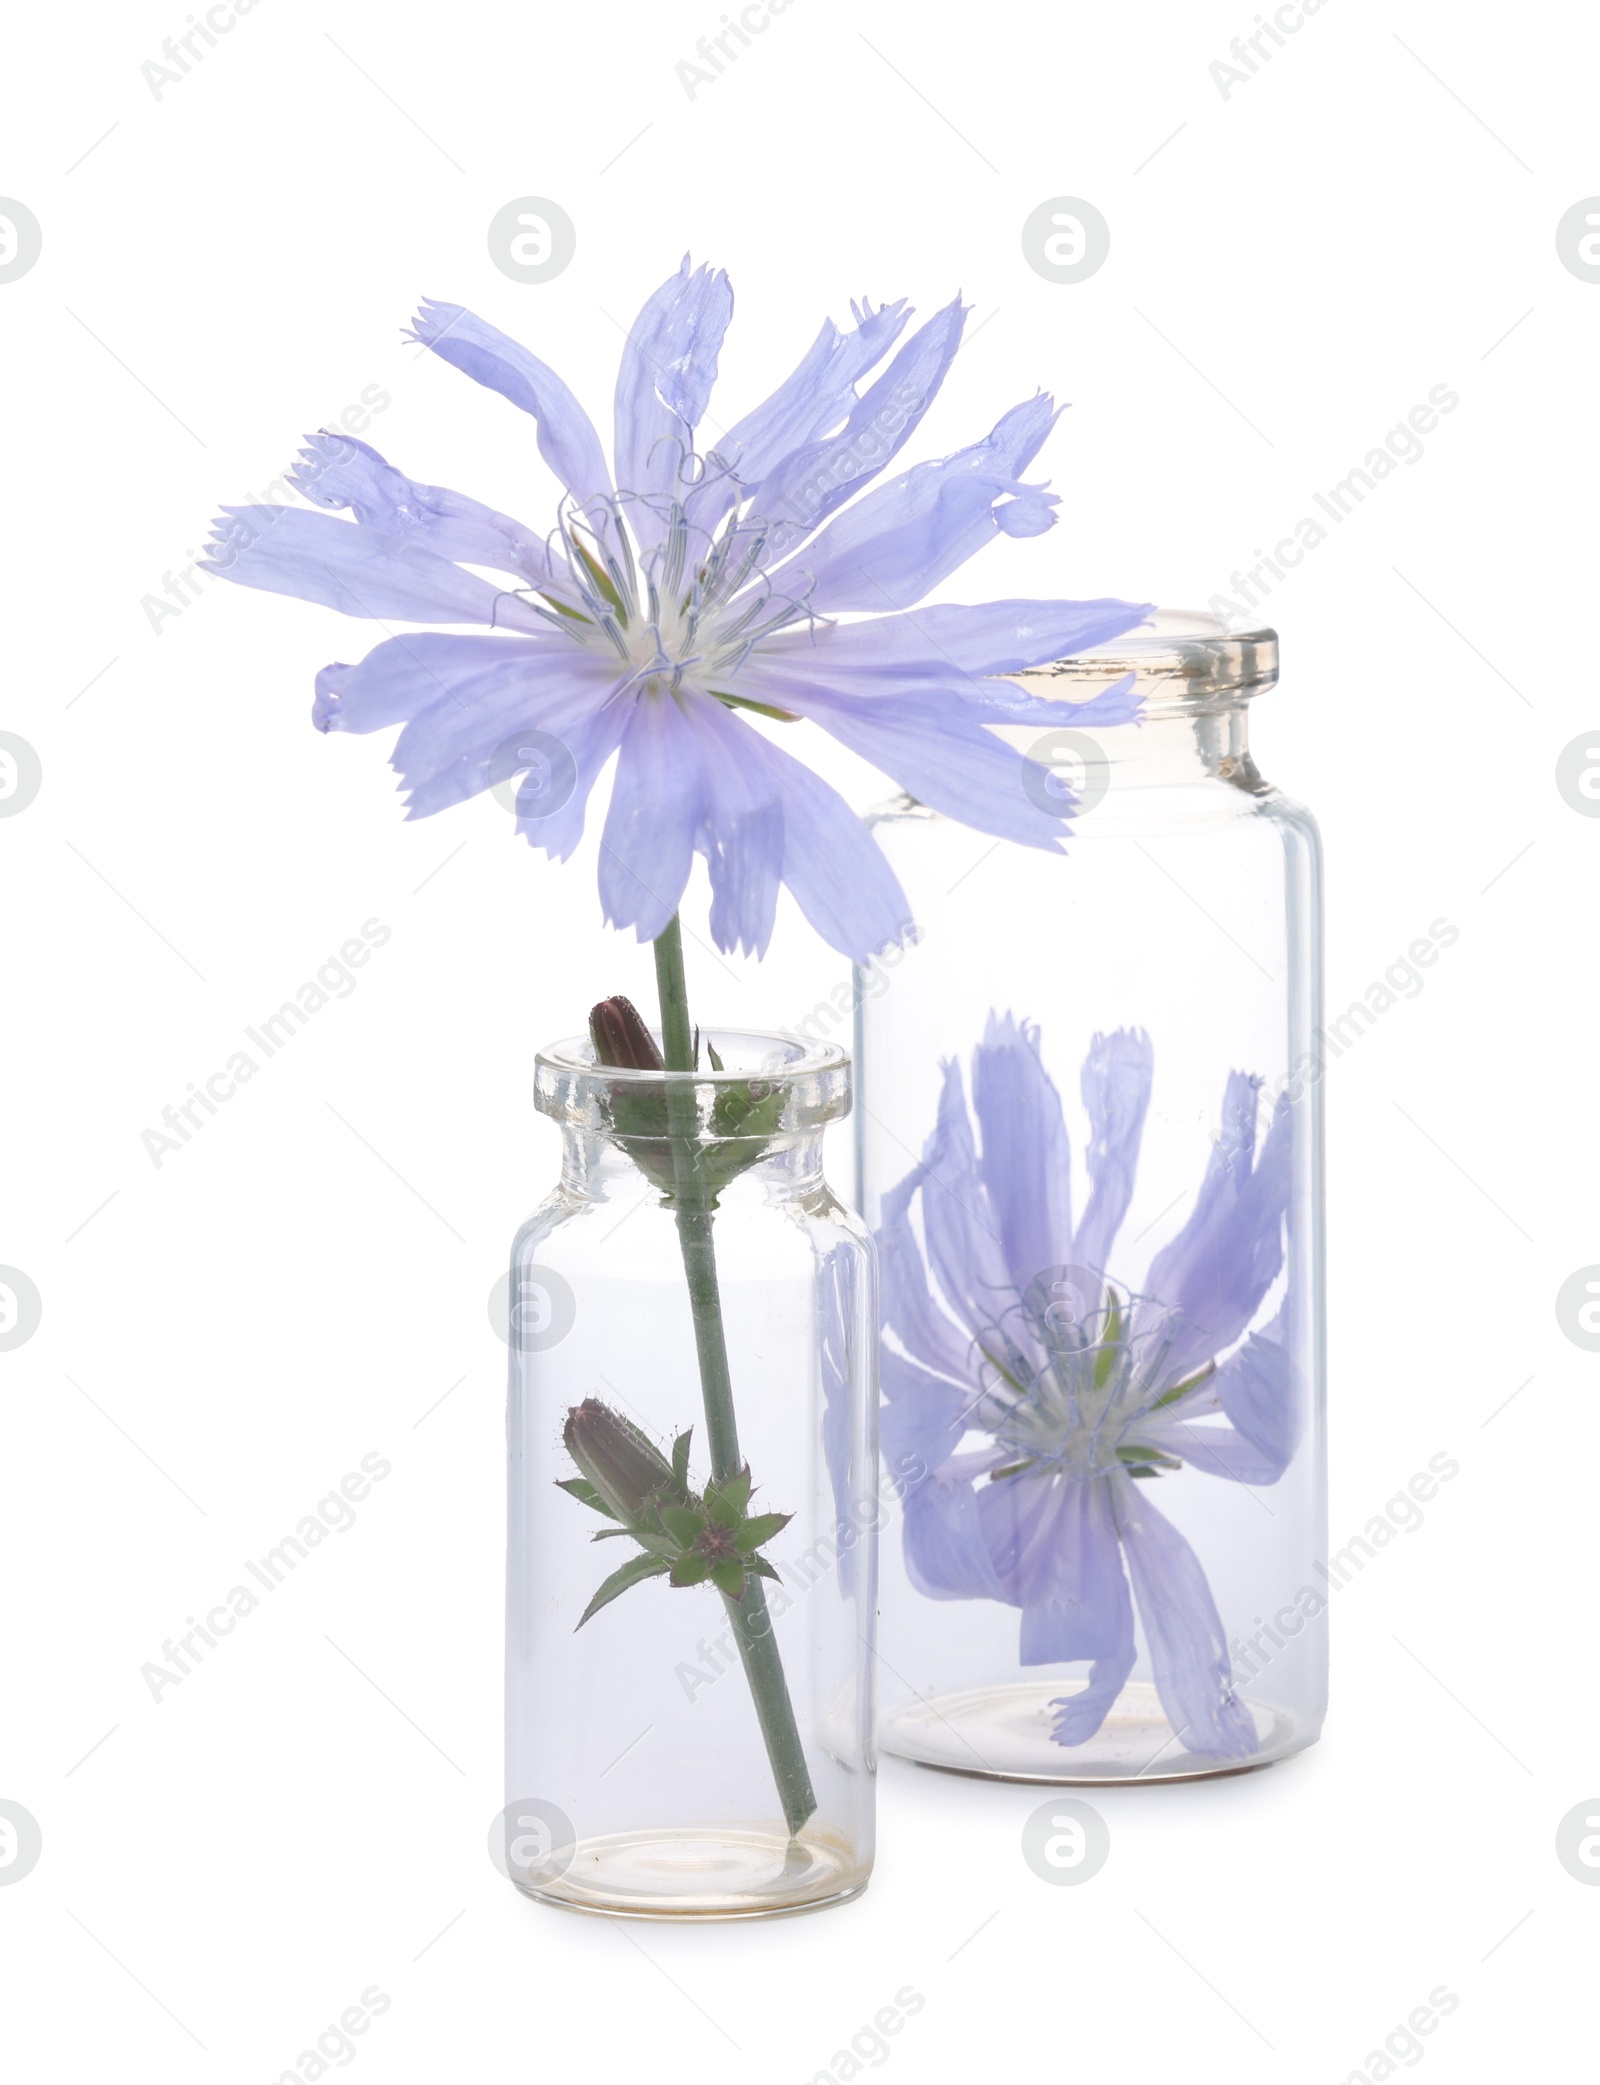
<point x="1003" y="1733"/>
<point x="687" y="1874"/>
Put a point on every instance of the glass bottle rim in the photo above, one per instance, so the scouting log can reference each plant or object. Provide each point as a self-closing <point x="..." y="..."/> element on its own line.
<point x="1183" y="661"/>
<point x="812" y="1078"/>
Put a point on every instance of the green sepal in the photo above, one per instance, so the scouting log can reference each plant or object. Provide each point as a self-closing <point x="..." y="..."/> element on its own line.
<point x="762" y="709"/>
<point x="1013" y="1469"/>
<point x="743" y="1121"/>
<point x="1182" y="1389"/>
<point x="689" y="1570"/>
<point x="680" y="1461"/>
<point x="760" y="1567"/>
<point x="633" y="1572"/>
<point x="761" y="1528"/>
<point x="1147" y="1461"/>
<point x="728" y="1580"/>
<point x="682" y="1523"/>
<point x="1105" y="1359"/>
<point x="584" y="1492"/>
<point x="749" y="1109"/>
<point x="734" y="1493"/>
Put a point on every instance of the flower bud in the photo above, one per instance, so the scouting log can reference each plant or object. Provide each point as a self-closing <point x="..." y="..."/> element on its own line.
<point x="620" y="1037"/>
<point x="622" y="1463"/>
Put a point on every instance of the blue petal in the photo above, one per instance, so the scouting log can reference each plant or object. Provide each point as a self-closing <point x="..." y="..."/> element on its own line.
<point x="1229" y="1253"/>
<point x="801" y="492"/>
<point x="909" y="1310"/>
<point x="962" y="1234"/>
<point x="338" y="471"/>
<point x="1028" y="511"/>
<point x="943" y="1545"/>
<point x="657" y="802"/>
<point x="1220" y="1451"/>
<point x="835" y="870"/>
<point x="814" y="397"/>
<point x="669" y="364"/>
<point x="1188" y="1651"/>
<point x="293" y="550"/>
<point x="1010" y="703"/>
<point x="1018" y="1517"/>
<point x="1082" y="1714"/>
<point x="742" y="832"/>
<point x="1053" y="1542"/>
<point x="591" y="743"/>
<point x="897" y="543"/>
<point x="1027" y="1162"/>
<point x="566" y="435"/>
<point x="1116" y="1080"/>
<point x="1256" y="1387"/>
<point x="1075" y="1603"/>
<point x="403" y="676"/>
<point x="922" y="1424"/>
<point x="445" y="753"/>
<point x="991" y="637"/>
<point x="930" y="746"/>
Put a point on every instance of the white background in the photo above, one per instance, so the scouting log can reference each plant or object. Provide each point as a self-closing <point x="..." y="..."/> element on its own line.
<point x="1292" y="268"/>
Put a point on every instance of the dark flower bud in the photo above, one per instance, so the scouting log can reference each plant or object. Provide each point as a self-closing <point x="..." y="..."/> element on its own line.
<point x="620" y="1037"/>
<point x="621" y="1462"/>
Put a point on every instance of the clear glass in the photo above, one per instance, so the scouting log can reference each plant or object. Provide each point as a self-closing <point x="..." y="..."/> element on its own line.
<point x="1108" y="1433"/>
<point x="639" y="1777"/>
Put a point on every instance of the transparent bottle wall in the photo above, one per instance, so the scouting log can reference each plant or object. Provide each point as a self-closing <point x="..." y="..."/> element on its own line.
<point x="639" y="1775"/>
<point x="1089" y="1134"/>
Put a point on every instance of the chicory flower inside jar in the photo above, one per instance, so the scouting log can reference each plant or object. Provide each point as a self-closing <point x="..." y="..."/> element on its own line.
<point x="1090" y="1140"/>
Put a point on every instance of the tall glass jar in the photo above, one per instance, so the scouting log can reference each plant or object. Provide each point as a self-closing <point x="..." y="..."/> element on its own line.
<point x="1090" y="1141"/>
<point x="692" y="1408"/>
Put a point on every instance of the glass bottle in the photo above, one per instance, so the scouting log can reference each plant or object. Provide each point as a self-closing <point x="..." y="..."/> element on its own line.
<point x="1089" y="1130"/>
<point x="685" y="1749"/>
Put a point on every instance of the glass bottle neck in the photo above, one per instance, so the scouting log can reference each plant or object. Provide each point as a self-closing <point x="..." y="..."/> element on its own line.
<point x="595" y="1168"/>
<point x="1170" y="748"/>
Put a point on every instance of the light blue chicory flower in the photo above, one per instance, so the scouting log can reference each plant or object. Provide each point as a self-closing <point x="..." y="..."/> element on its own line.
<point x="678" y="588"/>
<point x="1007" y="1325"/>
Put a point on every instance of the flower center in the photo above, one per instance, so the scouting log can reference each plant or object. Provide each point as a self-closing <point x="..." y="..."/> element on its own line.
<point x="697" y="602"/>
<point x="718" y="1545"/>
<point x="1070" y="1404"/>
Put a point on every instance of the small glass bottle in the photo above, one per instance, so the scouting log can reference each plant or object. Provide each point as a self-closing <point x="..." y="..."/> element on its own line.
<point x="682" y="1749"/>
<point x="1090" y="1138"/>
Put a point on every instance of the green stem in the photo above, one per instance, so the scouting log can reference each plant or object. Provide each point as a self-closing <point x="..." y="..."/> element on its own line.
<point x="749" y="1615"/>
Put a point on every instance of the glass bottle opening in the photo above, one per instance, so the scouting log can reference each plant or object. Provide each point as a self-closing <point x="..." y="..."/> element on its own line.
<point x="799" y="1086"/>
<point x="1184" y="662"/>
